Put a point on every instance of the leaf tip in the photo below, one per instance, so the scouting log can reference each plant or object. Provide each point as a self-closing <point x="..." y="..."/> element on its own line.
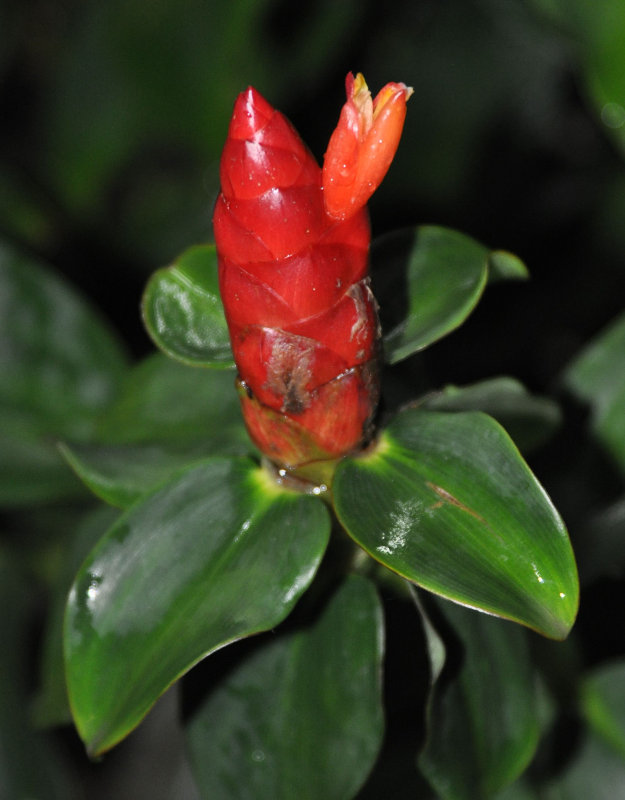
<point x="505" y="266"/>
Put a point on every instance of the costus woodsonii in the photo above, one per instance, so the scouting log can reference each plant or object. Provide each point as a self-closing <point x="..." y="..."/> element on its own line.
<point x="293" y="244"/>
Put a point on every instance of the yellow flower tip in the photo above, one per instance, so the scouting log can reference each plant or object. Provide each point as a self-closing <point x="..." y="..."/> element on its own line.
<point x="358" y="93"/>
<point x="386" y="95"/>
<point x="363" y="145"/>
<point x="359" y="84"/>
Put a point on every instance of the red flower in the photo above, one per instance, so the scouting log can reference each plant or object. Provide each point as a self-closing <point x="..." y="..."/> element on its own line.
<point x="363" y="145"/>
<point x="293" y="249"/>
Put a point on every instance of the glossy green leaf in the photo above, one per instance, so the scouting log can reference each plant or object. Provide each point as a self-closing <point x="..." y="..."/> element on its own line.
<point x="530" y="420"/>
<point x="597" y="376"/>
<point x="447" y="501"/>
<point x="183" y="313"/>
<point x="217" y="554"/>
<point x="60" y="367"/>
<point x="470" y="754"/>
<point x="50" y="706"/>
<point x="120" y="474"/>
<point x="427" y="282"/>
<point x="167" y="416"/>
<point x="302" y="716"/>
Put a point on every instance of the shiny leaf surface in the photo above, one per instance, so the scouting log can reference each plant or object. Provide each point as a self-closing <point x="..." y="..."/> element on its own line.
<point x="430" y="279"/>
<point x="447" y="501"/>
<point x="217" y="554"/>
<point x="50" y="705"/>
<point x="302" y="716"/>
<point x="121" y="474"/>
<point x="468" y="753"/>
<point x="183" y="313"/>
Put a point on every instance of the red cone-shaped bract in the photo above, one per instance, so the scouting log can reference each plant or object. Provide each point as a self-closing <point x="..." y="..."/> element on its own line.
<point x="293" y="280"/>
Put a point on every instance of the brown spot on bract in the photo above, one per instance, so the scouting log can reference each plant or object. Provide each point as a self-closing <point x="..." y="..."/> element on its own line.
<point x="356" y="293"/>
<point x="288" y="373"/>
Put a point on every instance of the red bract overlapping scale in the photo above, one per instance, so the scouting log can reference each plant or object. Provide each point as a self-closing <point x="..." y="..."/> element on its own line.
<point x="288" y="219"/>
<point x="312" y="280"/>
<point x="284" y="368"/>
<point x="263" y="151"/>
<point x="293" y="280"/>
<point x="349" y="328"/>
<point x="253" y="301"/>
<point x="319" y="432"/>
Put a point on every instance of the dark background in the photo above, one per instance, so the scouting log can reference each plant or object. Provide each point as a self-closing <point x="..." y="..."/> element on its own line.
<point x="113" y="115"/>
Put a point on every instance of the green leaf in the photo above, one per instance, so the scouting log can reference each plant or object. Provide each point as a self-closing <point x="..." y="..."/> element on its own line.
<point x="60" y="364"/>
<point x="597" y="31"/>
<point x="447" y="501"/>
<point x="121" y="474"/>
<point x="596" y="772"/>
<point x="60" y="367"/>
<point x="530" y="420"/>
<point x="603" y="703"/>
<point x="436" y="650"/>
<point x="427" y="281"/>
<point x="183" y="313"/>
<point x="301" y="717"/>
<point x="217" y="554"/>
<point x="600" y="544"/>
<point x="31" y="468"/>
<point x="470" y="754"/>
<point x="167" y="417"/>
<point x="51" y="706"/>
<point x="30" y="764"/>
<point x="164" y="401"/>
<point x="506" y="266"/>
<point x="519" y="790"/>
<point x="597" y="376"/>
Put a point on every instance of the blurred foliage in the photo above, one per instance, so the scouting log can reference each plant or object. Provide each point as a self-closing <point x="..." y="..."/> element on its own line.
<point x="113" y="115"/>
